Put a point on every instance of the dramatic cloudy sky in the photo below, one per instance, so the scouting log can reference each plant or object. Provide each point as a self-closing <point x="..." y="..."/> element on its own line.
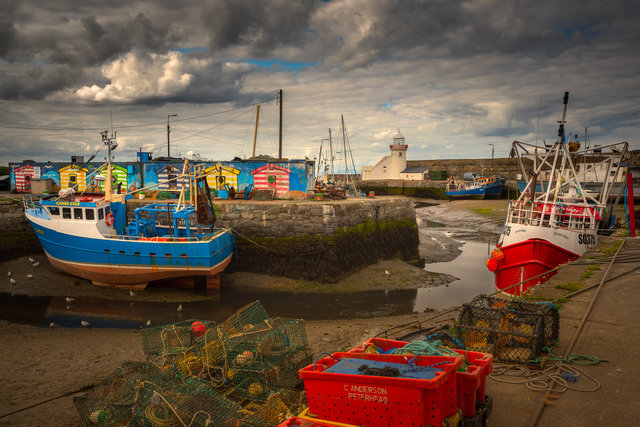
<point x="453" y="75"/>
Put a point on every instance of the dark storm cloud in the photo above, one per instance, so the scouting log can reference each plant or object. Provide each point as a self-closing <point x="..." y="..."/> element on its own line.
<point x="261" y="26"/>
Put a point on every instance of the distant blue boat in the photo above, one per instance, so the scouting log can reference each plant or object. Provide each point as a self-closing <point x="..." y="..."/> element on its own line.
<point x="480" y="187"/>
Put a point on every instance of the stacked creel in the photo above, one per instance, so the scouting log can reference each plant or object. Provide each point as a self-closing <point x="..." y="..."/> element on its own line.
<point x="240" y="372"/>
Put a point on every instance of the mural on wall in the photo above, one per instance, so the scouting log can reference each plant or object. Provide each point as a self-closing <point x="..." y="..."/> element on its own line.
<point x="220" y="175"/>
<point x="281" y="177"/>
<point x="53" y="175"/>
<point x="272" y="177"/>
<point x="73" y="176"/>
<point x="170" y="172"/>
<point x="23" y="176"/>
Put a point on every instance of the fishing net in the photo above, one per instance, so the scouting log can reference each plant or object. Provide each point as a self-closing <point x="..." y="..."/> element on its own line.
<point x="511" y="335"/>
<point x="446" y="340"/>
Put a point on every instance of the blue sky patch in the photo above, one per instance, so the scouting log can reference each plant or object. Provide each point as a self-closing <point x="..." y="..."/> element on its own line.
<point x="279" y="63"/>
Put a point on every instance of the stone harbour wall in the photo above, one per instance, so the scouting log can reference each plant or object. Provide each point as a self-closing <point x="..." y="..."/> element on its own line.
<point x="297" y="219"/>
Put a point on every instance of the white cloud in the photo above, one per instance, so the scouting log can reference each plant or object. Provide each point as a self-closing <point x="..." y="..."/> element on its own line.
<point x="140" y="76"/>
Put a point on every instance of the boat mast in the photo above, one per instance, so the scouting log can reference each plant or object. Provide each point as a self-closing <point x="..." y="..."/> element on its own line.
<point x="255" y="134"/>
<point x="111" y="144"/>
<point x="333" y="174"/>
<point x="344" y="147"/>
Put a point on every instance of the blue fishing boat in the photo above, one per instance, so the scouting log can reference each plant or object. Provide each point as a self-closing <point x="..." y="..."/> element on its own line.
<point x="479" y="187"/>
<point x="87" y="235"/>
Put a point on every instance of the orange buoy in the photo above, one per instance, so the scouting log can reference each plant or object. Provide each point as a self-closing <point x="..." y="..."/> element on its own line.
<point x="492" y="264"/>
<point x="497" y="254"/>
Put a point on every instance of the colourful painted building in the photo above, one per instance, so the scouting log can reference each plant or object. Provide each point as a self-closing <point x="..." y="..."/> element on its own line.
<point x="281" y="176"/>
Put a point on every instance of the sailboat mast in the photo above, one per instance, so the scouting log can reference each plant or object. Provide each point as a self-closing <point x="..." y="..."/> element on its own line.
<point x="344" y="147"/>
<point x="333" y="174"/>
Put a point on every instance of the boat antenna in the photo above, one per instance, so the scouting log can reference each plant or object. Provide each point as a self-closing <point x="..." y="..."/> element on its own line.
<point x="539" y="111"/>
<point x="111" y="144"/>
<point x="564" y="115"/>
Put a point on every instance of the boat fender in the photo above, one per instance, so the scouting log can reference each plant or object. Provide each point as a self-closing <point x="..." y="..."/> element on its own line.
<point x="497" y="254"/>
<point x="492" y="264"/>
<point x="109" y="219"/>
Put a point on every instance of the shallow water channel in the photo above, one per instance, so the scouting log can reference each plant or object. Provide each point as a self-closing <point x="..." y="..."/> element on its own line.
<point x="456" y="243"/>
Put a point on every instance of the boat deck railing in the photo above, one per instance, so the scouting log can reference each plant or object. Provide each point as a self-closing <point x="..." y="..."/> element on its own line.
<point x="170" y="239"/>
<point x="31" y="202"/>
<point x="555" y="215"/>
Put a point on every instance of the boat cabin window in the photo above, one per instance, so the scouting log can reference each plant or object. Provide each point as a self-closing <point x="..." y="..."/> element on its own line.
<point x="107" y="209"/>
<point x="100" y="213"/>
<point x="77" y="213"/>
<point x="66" y="213"/>
<point x="54" y="210"/>
<point x="89" y="214"/>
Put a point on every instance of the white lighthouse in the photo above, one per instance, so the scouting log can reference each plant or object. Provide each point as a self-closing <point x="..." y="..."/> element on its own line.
<point x="395" y="165"/>
<point x="398" y="161"/>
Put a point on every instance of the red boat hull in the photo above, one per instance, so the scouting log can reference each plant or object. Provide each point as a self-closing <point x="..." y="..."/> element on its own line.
<point x="527" y="259"/>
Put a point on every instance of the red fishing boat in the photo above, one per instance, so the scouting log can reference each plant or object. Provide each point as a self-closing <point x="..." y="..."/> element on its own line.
<point x="545" y="229"/>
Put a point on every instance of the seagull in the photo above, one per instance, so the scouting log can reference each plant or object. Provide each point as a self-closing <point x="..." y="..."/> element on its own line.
<point x="132" y="294"/>
<point x="84" y="323"/>
<point x="387" y="273"/>
<point x="448" y="233"/>
<point x="148" y="322"/>
<point x="35" y="264"/>
<point x="29" y="276"/>
<point x="52" y="325"/>
<point x="179" y="308"/>
<point x="70" y="300"/>
<point x="31" y="260"/>
<point x="13" y="281"/>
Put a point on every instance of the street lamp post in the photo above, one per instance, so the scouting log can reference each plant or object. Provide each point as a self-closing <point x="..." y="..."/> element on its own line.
<point x="491" y="157"/>
<point x="168" y="132"/>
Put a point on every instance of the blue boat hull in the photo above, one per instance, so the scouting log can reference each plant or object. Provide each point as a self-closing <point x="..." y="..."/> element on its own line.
<point x="121" y="261"/>
<point x="490" y="190"/>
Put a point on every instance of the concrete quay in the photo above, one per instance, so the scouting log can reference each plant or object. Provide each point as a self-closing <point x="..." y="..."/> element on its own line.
<point x="611" y="332"/>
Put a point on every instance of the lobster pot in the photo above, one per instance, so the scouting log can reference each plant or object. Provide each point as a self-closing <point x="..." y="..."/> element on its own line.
<point x="253" y="382"/>
<point x="193" y="403"/>
<point x="550" y="315"/>
<point x="244" y="318"/>
<point x="267" y="344"/>
<point x="277" y="408"/>
<point x="111" y="402"/>
<point x="511" y="336"/>
<point x="165" y="342"/>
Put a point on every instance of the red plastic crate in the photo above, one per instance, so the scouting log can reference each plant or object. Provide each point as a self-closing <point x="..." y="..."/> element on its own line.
<point x="303" y="422"/>
<point x="374" y="401"/>
<point x="480" y="366"/>
<point x="485" y="362"/>
<point x="467" y="384"/>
